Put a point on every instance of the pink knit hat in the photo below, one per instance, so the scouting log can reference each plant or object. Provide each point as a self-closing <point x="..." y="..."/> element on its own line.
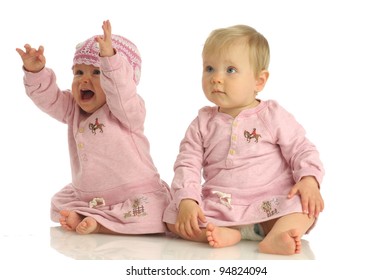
<point x="87" y="52"/>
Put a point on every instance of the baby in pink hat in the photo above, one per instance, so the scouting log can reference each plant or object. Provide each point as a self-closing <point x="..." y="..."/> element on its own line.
<point x="115" y="187"/>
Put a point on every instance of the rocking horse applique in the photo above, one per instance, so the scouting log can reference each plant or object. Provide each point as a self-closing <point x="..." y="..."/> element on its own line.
<point x="94" y="126"/>
<point x="252" y="135"/>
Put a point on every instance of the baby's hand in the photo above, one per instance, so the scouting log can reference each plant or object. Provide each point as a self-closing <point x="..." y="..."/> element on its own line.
<point x="33" y="59"/>
<point x="308" y="189"/>
<point x="105" y="41"/>
<point x="189" y="214"/>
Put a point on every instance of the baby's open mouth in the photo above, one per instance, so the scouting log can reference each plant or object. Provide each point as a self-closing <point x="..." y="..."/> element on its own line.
<point x="86" y="94"/>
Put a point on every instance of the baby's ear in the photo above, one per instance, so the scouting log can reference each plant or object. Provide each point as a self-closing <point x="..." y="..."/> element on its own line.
<point x="261" y="80"/>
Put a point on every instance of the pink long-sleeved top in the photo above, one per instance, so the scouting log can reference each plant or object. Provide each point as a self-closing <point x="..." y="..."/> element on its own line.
<point x="248" y="164"/>
<point x="114" y="178"/>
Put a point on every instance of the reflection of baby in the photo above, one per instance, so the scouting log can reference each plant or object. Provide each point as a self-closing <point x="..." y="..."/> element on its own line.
<point x="107" y="247"/>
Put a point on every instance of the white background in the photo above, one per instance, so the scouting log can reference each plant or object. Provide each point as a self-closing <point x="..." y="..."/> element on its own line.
<point x="330" y="66"/>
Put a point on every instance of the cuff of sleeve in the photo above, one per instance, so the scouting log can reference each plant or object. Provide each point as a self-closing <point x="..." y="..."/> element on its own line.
<point x="317" y="174"/>
<point x="34" y="78"/>
<point x="110" y="63"/>
<point x="186" y="194"/>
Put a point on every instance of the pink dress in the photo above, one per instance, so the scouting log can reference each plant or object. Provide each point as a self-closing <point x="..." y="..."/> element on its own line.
<point x="114" y="179"/>
<point x="249" y="164"/>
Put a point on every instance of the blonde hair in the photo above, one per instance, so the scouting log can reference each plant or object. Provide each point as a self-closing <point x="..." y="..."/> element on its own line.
<point x="221" y="39"/>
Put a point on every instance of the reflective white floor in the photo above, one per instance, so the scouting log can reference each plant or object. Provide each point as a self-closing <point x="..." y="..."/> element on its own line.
<point x="61" y="254"/>
<point x="326" y="253"/>
<point x="155" y="247"/>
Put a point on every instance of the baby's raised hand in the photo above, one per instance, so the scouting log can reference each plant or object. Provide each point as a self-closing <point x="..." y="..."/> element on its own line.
<point x="309" y="192"/>
<point x="33" y="59"/>
<point x="105" y="41"/>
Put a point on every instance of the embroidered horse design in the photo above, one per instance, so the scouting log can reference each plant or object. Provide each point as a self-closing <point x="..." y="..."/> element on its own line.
<point x="94" y="126"/>
<point x="252" y="135"/>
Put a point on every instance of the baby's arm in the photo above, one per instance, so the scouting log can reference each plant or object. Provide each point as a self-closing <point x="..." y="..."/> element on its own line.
<point x="189" y="214"/>
<point x="105" y="41"/>
<point x="117" y="83"/>
<point x="33" y="59"/>
<point x="301" y="155"/>
<point x="41" y="87"/>
<point x="309" y="192"/>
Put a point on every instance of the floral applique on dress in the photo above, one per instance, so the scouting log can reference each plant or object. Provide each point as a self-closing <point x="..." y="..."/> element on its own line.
<point x="138" y="208"/>
<point x="269" y="207"/>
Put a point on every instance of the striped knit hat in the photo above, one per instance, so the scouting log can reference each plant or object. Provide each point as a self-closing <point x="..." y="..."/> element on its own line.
<point x="87" y="52"/>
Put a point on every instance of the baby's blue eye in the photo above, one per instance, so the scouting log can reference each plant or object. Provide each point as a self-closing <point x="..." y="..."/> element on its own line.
<point x="97" y="72"/>
<point x="231" y="70"/>
<point x="78" y="72"/>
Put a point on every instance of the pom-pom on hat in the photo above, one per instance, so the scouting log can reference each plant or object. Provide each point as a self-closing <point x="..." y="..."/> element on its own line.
<point x="87" y="52"/>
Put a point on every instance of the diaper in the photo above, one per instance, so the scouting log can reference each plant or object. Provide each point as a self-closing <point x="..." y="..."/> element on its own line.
<point x="252" y="232"/>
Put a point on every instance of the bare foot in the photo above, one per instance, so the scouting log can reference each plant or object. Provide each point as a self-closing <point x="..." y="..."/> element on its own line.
<point x="69" y="220"/>
<point x="284" y="243"/>
<point x="219" y="237"/>
<point x="88" y="225"/>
